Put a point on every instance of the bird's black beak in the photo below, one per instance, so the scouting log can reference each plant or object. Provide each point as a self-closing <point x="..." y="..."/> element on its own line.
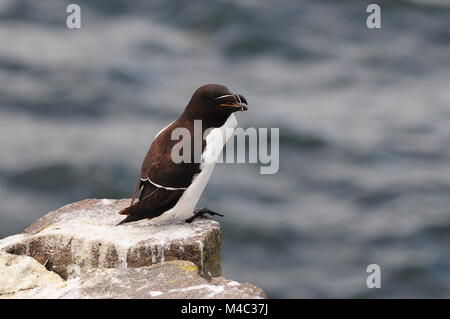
<point x="239" y="103"/>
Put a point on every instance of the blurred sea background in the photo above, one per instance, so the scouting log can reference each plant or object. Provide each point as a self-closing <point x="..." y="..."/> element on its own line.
<point x="363" y="115"/>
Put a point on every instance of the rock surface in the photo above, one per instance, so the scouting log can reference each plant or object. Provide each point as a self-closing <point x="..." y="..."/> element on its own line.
<point x="173" y="279"/>
<point x="21" y="273"/>
<point x="79" y="252"/>
<point x="84" y="236"/>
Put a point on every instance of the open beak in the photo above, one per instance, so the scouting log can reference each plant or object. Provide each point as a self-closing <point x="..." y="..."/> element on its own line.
<point x="240" y="104"/>
<point x="242" y="107"/>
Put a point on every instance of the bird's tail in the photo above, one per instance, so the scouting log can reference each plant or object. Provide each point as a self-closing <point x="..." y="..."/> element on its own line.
<point x="130" y="218"/>
<point x="144" y="214"/>
<point x="145" y="208"/>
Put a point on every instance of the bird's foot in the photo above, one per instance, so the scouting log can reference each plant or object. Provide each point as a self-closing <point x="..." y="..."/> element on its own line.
<point x="201" y="212"/>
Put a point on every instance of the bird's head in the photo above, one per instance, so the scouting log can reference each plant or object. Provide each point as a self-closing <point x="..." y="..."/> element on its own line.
<point x="215" y="101"/>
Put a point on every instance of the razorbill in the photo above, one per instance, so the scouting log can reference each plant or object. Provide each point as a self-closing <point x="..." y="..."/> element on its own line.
<point x="169" y="190"/>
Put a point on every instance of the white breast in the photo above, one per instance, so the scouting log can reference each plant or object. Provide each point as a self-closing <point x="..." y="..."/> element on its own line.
<point x="215" y="142"/>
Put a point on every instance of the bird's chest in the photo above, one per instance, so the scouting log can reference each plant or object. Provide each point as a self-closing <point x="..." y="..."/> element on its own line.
<point x="215" y="141"/>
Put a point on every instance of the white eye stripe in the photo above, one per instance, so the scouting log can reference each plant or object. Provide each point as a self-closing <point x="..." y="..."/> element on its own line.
<point x="223" y="96"/>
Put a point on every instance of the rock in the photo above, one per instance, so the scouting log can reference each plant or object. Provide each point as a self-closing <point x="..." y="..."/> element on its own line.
<point x="21" y="273"/>
<point x="79" y="252"/>
<point x="173" y="279"/>
<point x="84" y="236"/>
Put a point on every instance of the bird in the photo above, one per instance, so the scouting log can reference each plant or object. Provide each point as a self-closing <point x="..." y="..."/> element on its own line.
<point x="169" y="190"/>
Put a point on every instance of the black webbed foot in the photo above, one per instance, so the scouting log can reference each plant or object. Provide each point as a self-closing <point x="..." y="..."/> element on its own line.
<point x="201" y="212"/>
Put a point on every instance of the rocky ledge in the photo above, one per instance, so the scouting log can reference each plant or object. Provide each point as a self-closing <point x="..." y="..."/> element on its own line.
<point x="78" y="252"/>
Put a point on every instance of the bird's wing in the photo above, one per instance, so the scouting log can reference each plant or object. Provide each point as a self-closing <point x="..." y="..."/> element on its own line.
<point x="158" y="166"/>
<point x="171" y="179"/>
<point x="151" y="205"/>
